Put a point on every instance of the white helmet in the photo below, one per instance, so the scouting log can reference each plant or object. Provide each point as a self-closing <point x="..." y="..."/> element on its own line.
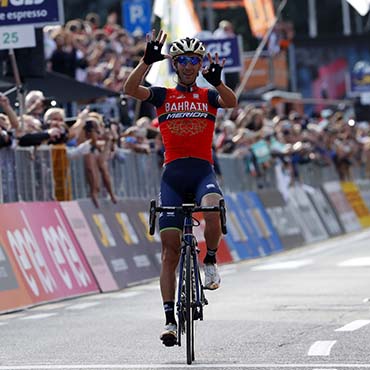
<point x="187" y="45"/>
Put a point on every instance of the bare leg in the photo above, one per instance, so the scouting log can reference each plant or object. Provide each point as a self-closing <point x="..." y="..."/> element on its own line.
<point x="103" y="167"/>
<point x="170" y="258"/>
<point x="92" y="177"/>
<point x="212" y="231"/>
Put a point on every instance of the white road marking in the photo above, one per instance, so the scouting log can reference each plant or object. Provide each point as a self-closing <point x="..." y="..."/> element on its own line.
<point x="321" y="348"/>
<point x="354" y="325"/>
<point x="193" y="366"/>
<point x="287" y="265"/>
<point x="126" y="295"/>
<point x="38" y="316"/>
<point x="82" y="306"/>
<point x="11" y="316"/>
<point x="47" y="307"/>
<point x="355" y="262"/>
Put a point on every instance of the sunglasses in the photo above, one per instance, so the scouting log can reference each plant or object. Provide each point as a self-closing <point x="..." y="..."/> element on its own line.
<point x="184" y="60"/>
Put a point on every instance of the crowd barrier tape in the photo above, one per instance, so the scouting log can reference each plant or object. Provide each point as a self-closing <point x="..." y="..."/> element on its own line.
<point x="265" y="231"/>
<point x="341" y="206"/>
<point x="44" y="254"/>
<point x="364" y="187"/>
<point x="94" y="256"/>
<point x="123" y="240"/>
<point x="240" y="237"/>
<point x="282" y="218"/>
<point x="324" y="211"/>
<point x="306" y="216"/>
<point x="353" y="195"/>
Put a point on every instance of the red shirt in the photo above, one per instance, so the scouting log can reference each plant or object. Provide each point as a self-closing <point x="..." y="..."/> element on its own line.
<point x="186" y="120"/>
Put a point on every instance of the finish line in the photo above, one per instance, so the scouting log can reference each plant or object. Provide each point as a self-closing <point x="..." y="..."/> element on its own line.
<point x="184" y="366"/>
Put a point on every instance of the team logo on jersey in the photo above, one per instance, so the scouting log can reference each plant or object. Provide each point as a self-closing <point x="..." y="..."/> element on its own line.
<point x="187" y="128"/>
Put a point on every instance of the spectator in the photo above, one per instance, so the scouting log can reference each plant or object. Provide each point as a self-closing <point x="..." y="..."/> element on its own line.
<point x="96" y="162"/>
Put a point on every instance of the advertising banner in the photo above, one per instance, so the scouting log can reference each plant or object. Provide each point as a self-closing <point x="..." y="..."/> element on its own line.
<point x="364" y="187"/>
<point x="250" y="204"/>
<point x="228" y="48"/>
<point x="83" y="234"/>
<point x="343" y="209"/>
<point x="354" y="198"/>
<point x="360" y="77"/>
<point x="36" y="12"/>
<point x="12" y="291"/>
<point x="241" y="236"/>
<point x="325" y="211"/>
<point x="223" y="252"/>
<point x="42" y="246"/>
<point x="282" y="218"/>
<point x="120" y="242"/>
<point x="305" y="214"/>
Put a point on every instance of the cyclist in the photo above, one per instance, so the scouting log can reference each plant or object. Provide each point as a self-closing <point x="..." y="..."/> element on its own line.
<point x="186" y="116"/>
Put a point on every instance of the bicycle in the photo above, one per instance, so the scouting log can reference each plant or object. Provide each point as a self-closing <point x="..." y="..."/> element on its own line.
<point x="190" y="291"/>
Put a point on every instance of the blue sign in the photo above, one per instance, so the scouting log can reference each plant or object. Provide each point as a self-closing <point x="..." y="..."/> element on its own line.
<point x="241" y="237"/>
<point x="265" y="232"/>
<point x="360" y="77"/>
<point x="31" y="12"/>
<point x="228" y="48"/>
<point x="136" y="16"/>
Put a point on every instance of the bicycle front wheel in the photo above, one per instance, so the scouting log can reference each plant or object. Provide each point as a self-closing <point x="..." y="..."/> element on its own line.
<point x="189" y="306"/>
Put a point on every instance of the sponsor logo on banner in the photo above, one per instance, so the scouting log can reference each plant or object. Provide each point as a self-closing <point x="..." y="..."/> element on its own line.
<point x="45" y="251"/>
<point x="241" y="236"/>
<point x="121" y="238"/>
<point x="343" y="209"/>
<point x="88" y="244"/>
<point x="34" y="12"/>
<point x="282" y="218"/>
<point x="325" y="211"/>
<point x="105" y="232"/>
<point x="306" y="215"/>
<point x="128" y="232"/>
<point x="262" y="223"/>
<point x="12" y="293"/>
<point x="354" y="198"/>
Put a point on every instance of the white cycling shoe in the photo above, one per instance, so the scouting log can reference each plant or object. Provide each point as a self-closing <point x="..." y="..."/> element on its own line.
<point x="212" y="278"/>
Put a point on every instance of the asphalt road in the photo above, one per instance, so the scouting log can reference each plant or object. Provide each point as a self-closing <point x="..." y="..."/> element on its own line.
<point x="308" y="308"/>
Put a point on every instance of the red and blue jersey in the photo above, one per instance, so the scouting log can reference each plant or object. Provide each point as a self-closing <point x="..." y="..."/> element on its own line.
<point x="186" y="117"/>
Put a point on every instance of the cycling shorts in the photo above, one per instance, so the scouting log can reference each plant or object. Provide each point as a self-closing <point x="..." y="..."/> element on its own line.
<point x="185" y="180"/>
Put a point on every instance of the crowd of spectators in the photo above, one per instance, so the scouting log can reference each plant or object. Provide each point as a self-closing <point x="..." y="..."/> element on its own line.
<point x="103" y="55"/>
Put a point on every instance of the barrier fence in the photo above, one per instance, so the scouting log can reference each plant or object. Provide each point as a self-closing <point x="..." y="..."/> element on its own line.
<point x="54" y="250"/>
<point x="45" y="173"/>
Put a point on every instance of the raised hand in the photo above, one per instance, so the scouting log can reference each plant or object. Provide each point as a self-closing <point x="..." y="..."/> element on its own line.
<point x="212" y="73"/>
<point x="154" y="47"/>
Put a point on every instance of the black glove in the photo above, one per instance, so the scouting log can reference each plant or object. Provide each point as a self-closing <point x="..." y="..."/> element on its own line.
<point x="213" y="74"/>
<point x="153" y="52"/>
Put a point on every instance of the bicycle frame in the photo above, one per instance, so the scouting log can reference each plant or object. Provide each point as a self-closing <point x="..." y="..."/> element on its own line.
<point x="191" y="299"/>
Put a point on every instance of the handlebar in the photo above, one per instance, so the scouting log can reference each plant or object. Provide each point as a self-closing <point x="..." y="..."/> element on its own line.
<point x="187" y="208"/>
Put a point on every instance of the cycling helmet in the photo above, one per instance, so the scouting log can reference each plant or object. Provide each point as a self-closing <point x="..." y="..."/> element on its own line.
<point x="187" y="45"/>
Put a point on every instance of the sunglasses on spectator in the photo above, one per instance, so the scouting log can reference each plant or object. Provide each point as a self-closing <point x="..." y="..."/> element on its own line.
<point x="184" y="60"/>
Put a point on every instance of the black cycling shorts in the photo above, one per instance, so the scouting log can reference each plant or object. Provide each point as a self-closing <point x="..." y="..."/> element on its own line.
<point x="183" y="181"/>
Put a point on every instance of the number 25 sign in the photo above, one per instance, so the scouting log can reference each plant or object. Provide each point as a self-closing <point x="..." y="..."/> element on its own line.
<point x="17" y="37"/>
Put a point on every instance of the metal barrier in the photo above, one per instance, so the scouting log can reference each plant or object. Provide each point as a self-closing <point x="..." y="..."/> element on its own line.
<point x="8" y="191"/>
<point x="27" y="174"/>
<point x="34" y="173"/>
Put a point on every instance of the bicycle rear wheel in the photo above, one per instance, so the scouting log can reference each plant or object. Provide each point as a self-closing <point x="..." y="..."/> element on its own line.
<point x="189" y="306"/>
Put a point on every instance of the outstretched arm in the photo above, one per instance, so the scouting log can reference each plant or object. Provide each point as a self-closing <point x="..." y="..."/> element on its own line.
<point x="152" y="54"/>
